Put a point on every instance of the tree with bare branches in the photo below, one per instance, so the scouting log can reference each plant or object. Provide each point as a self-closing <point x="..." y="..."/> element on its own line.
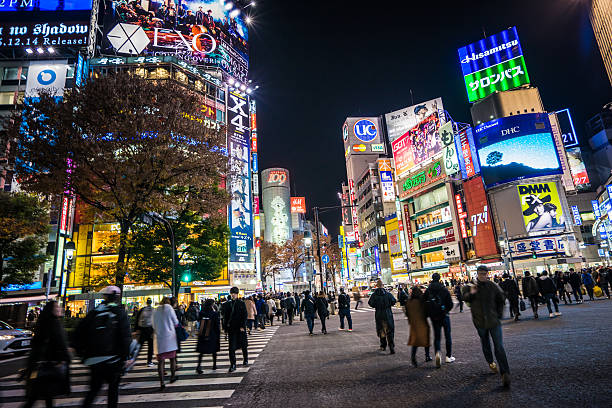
<point x="292" y="255"/>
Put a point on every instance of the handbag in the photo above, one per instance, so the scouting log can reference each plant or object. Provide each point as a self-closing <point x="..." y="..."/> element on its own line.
<point x="181" y="333"/>
<point x="597" y="291"/>
<point x="568" y="288"/>
<point x="522" y="305"/>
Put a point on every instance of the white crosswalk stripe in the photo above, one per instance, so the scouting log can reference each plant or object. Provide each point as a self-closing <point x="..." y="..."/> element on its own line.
<point x="141" y="386"/>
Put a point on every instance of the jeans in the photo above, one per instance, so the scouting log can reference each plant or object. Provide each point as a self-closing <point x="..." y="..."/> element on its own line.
<point x="346" y="313"/>
<point x="577" y="293"/>
<point x="514" y="306"/>
<point x="260" y="321"/>
<point x="310" y="322"/>
<point x="323" y="328"/>
<point x="146" y="335"/>
<point x="498" y="344"/>
<point x="589" y="289"/>
<point x="386" y="333"/>
<point x="100" y="373"/>
<point x="357" y="303"/>
<point x="460" y="306"/>
<point x="250" y="323"/>
<point x="549" y="297"/>
<point x="437" y="328"/>
<point x="290" y="316"/>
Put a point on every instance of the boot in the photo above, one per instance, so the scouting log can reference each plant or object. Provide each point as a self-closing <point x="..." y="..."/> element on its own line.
<point x="214" y="367"/>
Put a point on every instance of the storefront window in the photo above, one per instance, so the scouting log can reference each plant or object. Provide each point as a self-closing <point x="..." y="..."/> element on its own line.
<point x="436" y="217"/>
<point x="431" y="199"/>
<point x="433" y="259"/>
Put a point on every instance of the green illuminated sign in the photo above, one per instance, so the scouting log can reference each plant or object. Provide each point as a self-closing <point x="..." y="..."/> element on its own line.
<point x="501" y="77"/>
<point x="423" y="178"/>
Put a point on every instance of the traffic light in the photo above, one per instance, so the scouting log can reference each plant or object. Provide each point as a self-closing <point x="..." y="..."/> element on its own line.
<point x="533" y="254"/>
<point x="186" y="276"/>
<point x="360" y="244"/>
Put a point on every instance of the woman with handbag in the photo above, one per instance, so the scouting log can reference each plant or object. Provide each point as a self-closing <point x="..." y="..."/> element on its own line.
<point x="46" y="372"/>
<point x="165" y="341"/>
<point x="209" y="338"/>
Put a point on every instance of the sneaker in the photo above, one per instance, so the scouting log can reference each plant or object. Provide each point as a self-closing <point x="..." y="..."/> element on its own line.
<point x="350" y="329"/>
<point x="535" y="316"/>
<point x="493" y="367"/>
<point x="340" y="328"/>
<point x="551" y="315"/>
<point x="310" y="334"/>
<point x="151" y="364"/>
<point x="557" y="313"/>
<point x="450" y="359"/>
<point x="438" y="360"/>
<point x="382" y="348"/>
<point x="506" y="380"/>
<point x="232" y="368"/>
<point x="428" y="359"/>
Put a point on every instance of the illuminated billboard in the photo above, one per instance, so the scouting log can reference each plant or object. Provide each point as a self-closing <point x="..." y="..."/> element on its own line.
<point x="385" y="172"/>
<point x="241" y="209"/>
<point x="276" y="200"/>
<point x="298" y="205"/>
<point x="479" y="217"/>
<point x="541" y="206"/>
<point x="516" y="147"/>
<point x="577" y="168"/>
<point x="202" y="32"/>
<point x="417" y="145"/>
<point x="44" y="23"/>
<point x="401" y="121"/>
<point x="493" y="64"/>
<point x="362" y="136"/>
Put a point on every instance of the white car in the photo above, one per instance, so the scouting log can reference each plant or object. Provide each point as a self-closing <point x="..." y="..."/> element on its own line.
<point x="14" y="340"/>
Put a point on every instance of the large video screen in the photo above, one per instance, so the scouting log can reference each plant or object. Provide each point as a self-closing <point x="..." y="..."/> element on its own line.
<point x="203" y="32"/>
<point x="33" y="24"/>
<point x="516" y="147"/>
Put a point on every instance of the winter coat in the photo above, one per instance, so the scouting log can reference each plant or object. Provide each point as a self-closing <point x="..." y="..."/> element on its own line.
<point x="402" y="297"/>
<point x="575" y="280"/>
<point x="382" y="301"/>
<point x="259" y="305"/>
<point x="234" y="315"/>
<point x="530" y="286"/>
<point x="251" y="309"/>
<point x="419" y="328"/>
<point x="289" y="303"/>
<point x="438" y="289"/>
<point x="271" y="306"/>
<point x="344" y="301"/>
<point x="48" y="343"/>
<point x="587" y="279"/>
<point x="321" y="306"/>
<point x="486" y="305"/>
<point x="546" y="285"/>
<point x="308" y="306"/>
<point x="511" y="289"/>
<point x="192" y="313"/>
<point x="210" y="324"/>
<point x="458" y="294"/>
<point x="164" y="327"/>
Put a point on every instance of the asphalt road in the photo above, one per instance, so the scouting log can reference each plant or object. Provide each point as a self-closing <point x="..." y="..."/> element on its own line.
<point x="565" y="361"/>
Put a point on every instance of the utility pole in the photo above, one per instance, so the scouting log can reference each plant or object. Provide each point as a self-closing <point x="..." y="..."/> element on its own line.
<point x="316" y="215"/>
<point x="509" y="249"/>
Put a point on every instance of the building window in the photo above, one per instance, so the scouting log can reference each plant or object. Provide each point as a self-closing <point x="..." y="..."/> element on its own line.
<point x="12" y="74"/>
<point x="7" y="98"/>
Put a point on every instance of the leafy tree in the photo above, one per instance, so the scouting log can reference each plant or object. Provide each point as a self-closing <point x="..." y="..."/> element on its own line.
<point x="119" y="144"/>
<point x="201" y="250"/>
<point x="494" y="158"/>
<point x="292" y="255"/>
<point x="24" y="225"/>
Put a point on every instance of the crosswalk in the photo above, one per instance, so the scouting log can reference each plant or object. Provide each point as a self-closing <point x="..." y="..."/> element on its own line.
<point x="140" y="387"/>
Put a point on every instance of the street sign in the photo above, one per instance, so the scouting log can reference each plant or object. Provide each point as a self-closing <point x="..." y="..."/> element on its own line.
<point x="325" y="259"/>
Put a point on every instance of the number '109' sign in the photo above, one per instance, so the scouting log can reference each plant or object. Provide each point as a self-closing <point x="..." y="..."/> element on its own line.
<point x="277" y="176"/>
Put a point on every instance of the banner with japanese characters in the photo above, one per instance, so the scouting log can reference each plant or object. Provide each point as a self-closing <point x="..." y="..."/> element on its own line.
<point x="500" y="77"/>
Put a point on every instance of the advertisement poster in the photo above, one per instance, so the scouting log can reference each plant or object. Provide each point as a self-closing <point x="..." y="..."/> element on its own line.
<point x="479" y="217"/>
<point x="395" y="249"/>
<point x="401" y="121"/>
<point x="541" y="206"/>
<point x="417" y="145"/>
<point x="516" y="147"/>
<point x="298" y="205"/>
<point x="241" y="211"/>
<point x="577" y="168"/>
<point x="449" y="156"/>
<point x="386" y="180"/>
<point x="203" y="32"/>
<point x="46" y="75"/>
<point x="362" y="136"/>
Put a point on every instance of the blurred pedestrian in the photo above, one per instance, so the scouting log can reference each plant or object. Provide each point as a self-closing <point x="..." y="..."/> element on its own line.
<point x="530" y="291"/>
<point x="438" y="304"/>
<point x="235" y="316"/>
<point x="382" y="301"/>
<point x="357" y="296"/>
<point x="271" y="310"/>
<point x="251" y="312"/>
<point x="511" y="291"/>
<point x="290" y="306"/>
<point x="309" y="309"/>
<point x="209" y="336"/>
<point x="587" y="280"/>
<point x="344" y="310"/>
<point x="575" y="282"/>
<point x="560" y="284"/>
<point x="103" y="340"/>
<point x="602" y="281"/>
<point x="144" y="328"/>
<point x="419" y="328"/>
<point x="486" y="301"/>
<point x="46" y="371"/>
<point x="322" y="311"/>
<point x="549" y="292"/>
<point x="191" y="316"/>
<point x="459" y="296"/>
<point x="165" y="323"/>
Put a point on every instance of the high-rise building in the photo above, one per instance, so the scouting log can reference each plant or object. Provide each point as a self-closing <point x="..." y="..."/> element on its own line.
<point x="599" y="133"/>
<point x="600" y="14"/>
<point x="276" y="202"/>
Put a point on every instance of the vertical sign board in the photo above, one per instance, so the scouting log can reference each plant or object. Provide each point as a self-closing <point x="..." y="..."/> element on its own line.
<point x="241" y="211"/>
<point x="479" y="215"/>
<point x="468" y="160"/>
<point x="449" y="155"/>
<point x="493" y="64"/>
<point x="462" y="216"/>
<point x="596" y="211"/>
<point x="576" y="214"/>
<point x="386" y="180"/>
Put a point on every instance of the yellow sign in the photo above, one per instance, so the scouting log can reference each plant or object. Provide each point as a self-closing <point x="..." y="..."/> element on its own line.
<point x="541" y="206"/>
<point x="396" y="257"/>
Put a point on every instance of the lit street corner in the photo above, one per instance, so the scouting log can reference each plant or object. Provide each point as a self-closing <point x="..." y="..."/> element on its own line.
<point x="563" y="361"/>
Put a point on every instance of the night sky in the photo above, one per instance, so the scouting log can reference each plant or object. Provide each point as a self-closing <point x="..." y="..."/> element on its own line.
<point x="318" y="62"/>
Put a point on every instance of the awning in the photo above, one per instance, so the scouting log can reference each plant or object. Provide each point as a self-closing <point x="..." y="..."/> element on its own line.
<point x="27" y="299"/>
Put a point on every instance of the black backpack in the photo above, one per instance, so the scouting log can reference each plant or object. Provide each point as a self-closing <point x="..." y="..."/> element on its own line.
<point x="344" y="301"/>
<point x="98" y="333"/>
<point x="434" y="307"/>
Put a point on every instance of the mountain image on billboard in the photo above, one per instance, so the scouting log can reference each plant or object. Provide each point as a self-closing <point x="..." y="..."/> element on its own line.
<point x="541" y="207"/>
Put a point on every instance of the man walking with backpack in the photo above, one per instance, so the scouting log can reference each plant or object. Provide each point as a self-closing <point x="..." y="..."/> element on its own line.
<point x="103" y="341"/>
<point x="438" y="303"/>
<point x="344" y="310"/>
<point x="144" y="326"/>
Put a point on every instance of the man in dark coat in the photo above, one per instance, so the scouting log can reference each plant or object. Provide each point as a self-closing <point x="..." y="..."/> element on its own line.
<point x="512" y="293"/>
<point x="486" y="301"/>
<point x="530" y="291"/>
<point x="382" y="301"/>
<point x="438" y="303"/>
<point x="575" y="281"/>
<point x="549" y="292"/>
<point x="234" y="323"/>
<point x="290" y="305"/>
<point x="309" y="309"/>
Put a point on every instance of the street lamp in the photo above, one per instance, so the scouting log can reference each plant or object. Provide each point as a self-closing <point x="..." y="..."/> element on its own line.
<point x="69" y="249"/>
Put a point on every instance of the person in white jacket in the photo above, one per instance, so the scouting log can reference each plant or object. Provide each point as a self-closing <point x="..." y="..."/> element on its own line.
<point x="271" y="310"/>
<point x="164" y="339"/>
